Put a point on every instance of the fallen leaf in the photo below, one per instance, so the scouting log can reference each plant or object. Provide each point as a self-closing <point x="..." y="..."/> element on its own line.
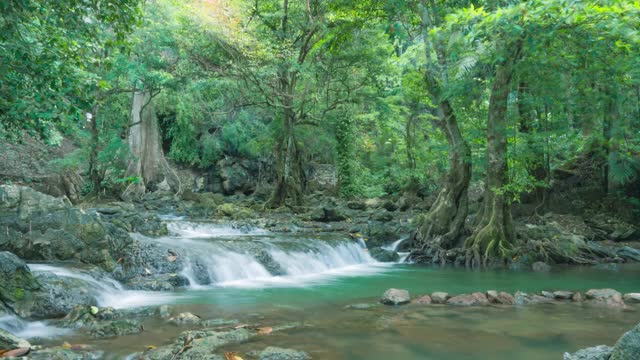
<point x="241" y="326"/>
<point x="150" y="347"/>
<point x="172" y="258"/>
<point x="66" y="345"/>
<point x="264" y="330"/>
<point x="232" y="356"/>
<point x="146" y="270"/>
<point x="119" y="260"/>
<point x="94" y="310"/>
<point x="2" y="351"/>
<point x="16" y="352"/>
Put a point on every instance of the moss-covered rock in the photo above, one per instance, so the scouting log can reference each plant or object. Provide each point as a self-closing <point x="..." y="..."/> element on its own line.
<point x="17" y="283"/>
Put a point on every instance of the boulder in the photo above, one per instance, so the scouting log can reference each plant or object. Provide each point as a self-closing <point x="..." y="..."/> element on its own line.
<point x="540" y="266"/>
<point x="276" y="353"/>
<point x="605" y="297"/>
<point x="475" y="299"/>
<point x="17" y="284"/>
<point x="40" y="227"/>
<point x="8" y="341"/>
<point x="628" y="346"/>
<point x="422" y="300"/>
<point x="109" y="329"/>
<point x="522" y="298"/>
<point x="158" y="282"/>
<point x="439" y="297"/>
<point x="395" y="297"/>
<point x="502" y="298"/>
<point x="383" y="255"/>
<point x="327" y="214"/>
<point x="629" y="253"/>
<point x="601" y="352"/>
<point x="632" y="298"/>
<point x="234" y="212"/>
<point x="185" y="318"/>
<point x="563" y="295"/>
<point x="577" y="297"/>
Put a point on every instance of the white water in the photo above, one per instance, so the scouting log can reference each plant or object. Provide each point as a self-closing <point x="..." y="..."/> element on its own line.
<point x="216" y="248"/>
<point x="30" y="329"/>
<point x="394" y="247"/>
<point x="108" y="292"/>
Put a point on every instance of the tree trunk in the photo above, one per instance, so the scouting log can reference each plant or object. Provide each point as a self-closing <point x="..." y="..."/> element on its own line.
<point x="495" y="233"/>
<point x="95" y="175"/>
<point x="442" y="226"/>
<point x="147" y="165"/>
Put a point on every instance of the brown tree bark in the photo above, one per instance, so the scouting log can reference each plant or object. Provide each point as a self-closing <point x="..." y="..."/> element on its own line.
<point x="147" y="163"/>
<point x="495" y="233"/>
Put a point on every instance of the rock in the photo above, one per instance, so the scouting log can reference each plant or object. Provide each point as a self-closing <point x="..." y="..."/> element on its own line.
<point x="383" y="255"/>
<point x="502" y="298"/>
<point x="601" y="352"/>
<point x="57" y="297"/>
<point x="605" y="297"/>
<point x="267" y="260"/>
<point x="628" y="346"/>
<point x="475" y="299"/>
<point x="327" y="214"/>
<point x="185" y="319"/>
<point x="632" y="298"/>
<point x="395" y="297"/>
<point x="383" y="216"/>
<point x="237" y="176"/>
<point x="540" y="266"/>
<point x="522" y="298"/>
<point x="356" y="205"/>
<point x="362" y="306"/>
<point x="577" y="297"/>
<point x="276" y="353"/>
<point x="17" y="284"/>
<point x="114" y="328"/>
<point x="234" y="212"/>
<point x="40" y="227"/>
<point x="8" y="341"/>
<point x="629" y="253"/>
<point x="203" y="345"/>
<point x="60" y="353"/>
<point x="422" y="300"/>
<point x="547" y="294"/>
<point x="158" y="282"/>
<point x="563" y="295"/>
<point x="218" y="322"/>
<point x="439" y="297"/>
<point x="390" y="205"/>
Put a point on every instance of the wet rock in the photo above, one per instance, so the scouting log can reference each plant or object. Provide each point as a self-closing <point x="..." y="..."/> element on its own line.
<point x="547" y="294"/>
<point x="395" y="297"/>
<point x="475" y="299"/>
<point x="114" y="328"/>
<point x="40" y="227"/>
<point x="159" y="282"/>
<point x="502" y="298"/>
<point x="9" y="341"/>
<point x="363" y="306"/>
<point x="17" y="284"/>
<point x="422" y="300"/>
<point x="269" y="263"/>
<point x="383" y="255"/>
<point x="605" y="297"/>
<point x="577" y="297"/>
<point x="540" y="266"/>
<point x="439" y="297"/>
<point x="60" y="353"/>
<point x="276" y="353"/>
<point x="144" y="259"/>
<point x="203" y="344"/>
<point x="629" y="253"/>
<point x="57" y="297"/>
<point x="522" y="298"/>
<point x="563" y="295"/>
<point x="327" y="214"/>
<point x="218" y="322"/>
<point x="185" y="319"/>
<point x="601" y="352"/>
<point x="628" y="346"/>
<point x="234" y="212"/>
<point x="632" y="298"/>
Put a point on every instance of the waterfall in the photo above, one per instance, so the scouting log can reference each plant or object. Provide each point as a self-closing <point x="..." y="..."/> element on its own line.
<point x="30" y="329"/>
<point x="107" y="291"/>
<point x="219" y="255"/>
<point x="394" y="247"/>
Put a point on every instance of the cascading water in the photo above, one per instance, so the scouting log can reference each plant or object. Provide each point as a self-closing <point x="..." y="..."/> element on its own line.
<point x="226" y="256"/>
<point x="107" y="291"/>
<point x="30" y="329"/>
<point x="394" y="247"/>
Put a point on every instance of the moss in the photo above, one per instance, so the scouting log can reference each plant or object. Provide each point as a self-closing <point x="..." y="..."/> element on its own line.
<point x="18" y="294"/>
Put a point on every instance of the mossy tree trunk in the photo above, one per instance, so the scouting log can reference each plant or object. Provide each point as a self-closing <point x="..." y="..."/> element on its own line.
<point x="147" y="164"/>
<point x="495" y="234"/>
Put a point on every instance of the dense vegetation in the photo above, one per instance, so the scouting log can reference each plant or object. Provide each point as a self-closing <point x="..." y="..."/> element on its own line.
<point x="403" y="97"/>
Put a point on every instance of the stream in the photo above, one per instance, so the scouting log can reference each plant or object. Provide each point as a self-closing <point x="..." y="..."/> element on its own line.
<point x="321" y="275"/>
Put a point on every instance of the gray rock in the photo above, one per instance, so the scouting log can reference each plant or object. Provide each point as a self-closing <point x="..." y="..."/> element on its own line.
<point x="475" y="299"/>
<point x="9" y="341"/>
<point x="601" y="352"/>
<point x="276" y="353"/>
<point x="502" y="298"/>
<point x="628" y="346"/>
<point x="109" y="329"/>
<point x="632" y="298"/>
<point x="439" y="297"/>
<point x="422" y="300"/>
<point x="383" y="255"/>
<point x="17" y="284"/>
<point x="540" y="266"/>
<point x="605" y="297"/>
<point x="363" y="306"/>
<point x="158" y="282"/>
<point x="185" y="318"/>
<point x="547" y="294"/>
<point x="395" y="297"/>
<point x="563" y="295"/>
<point x="522" y="298"/>
<point x="59" y="353"/>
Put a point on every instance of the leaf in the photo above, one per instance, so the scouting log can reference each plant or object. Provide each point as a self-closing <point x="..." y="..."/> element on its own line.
<point x="66" y="345"/>
<point x="17" y="352"/>
<point x="150" y="347"/>
<point x="264" y="330"/>
<point x="94" y="310"/>
<point x="147" y="271"/>
<point x="232" y="356"/>
<point x="172" y="258"/>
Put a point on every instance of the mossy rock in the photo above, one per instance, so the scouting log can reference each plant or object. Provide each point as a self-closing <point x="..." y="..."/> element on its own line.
<point x="234" y="212"/>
